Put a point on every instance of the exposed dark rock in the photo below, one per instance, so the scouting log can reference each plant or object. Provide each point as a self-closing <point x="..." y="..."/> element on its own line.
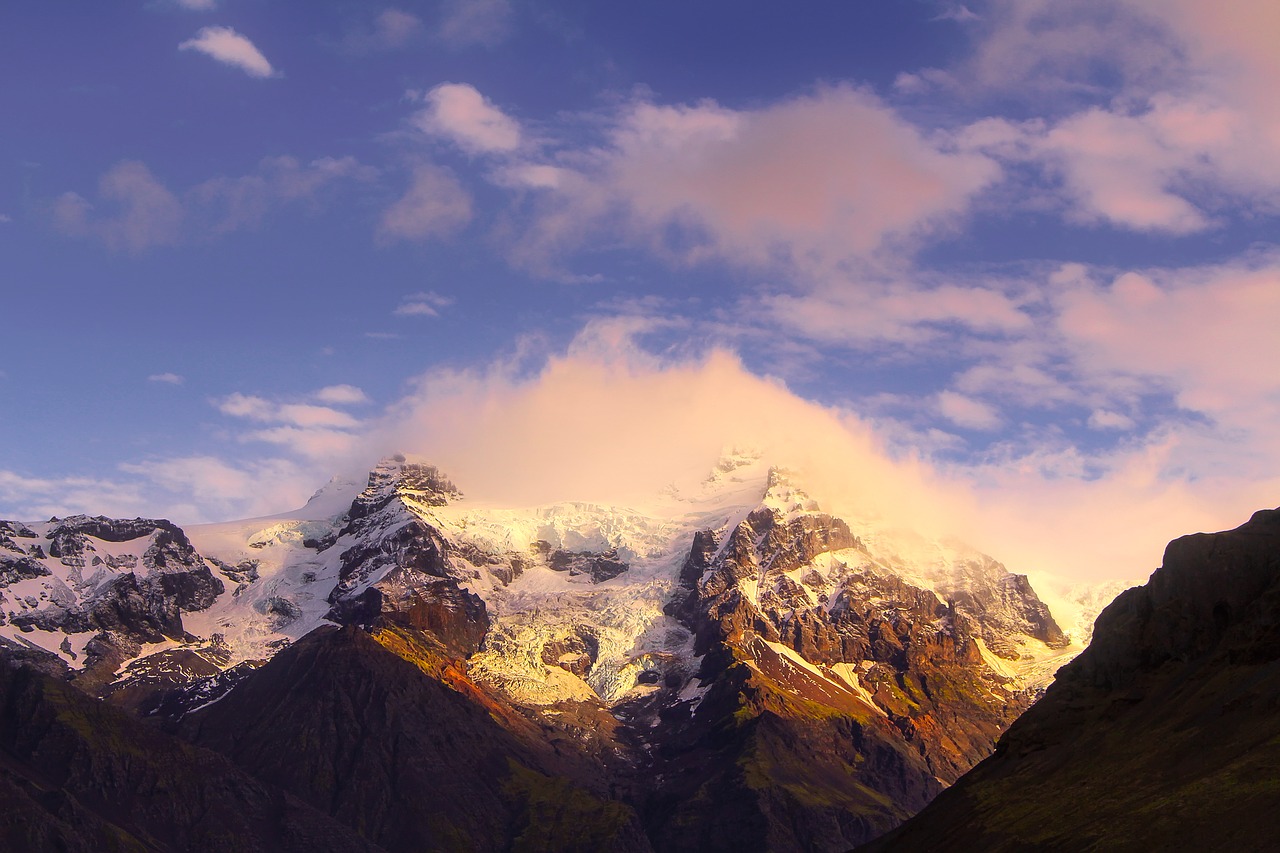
<point x="243" y="572"/>
<point x="14" y="569"/>
<point x="598" y="565"/>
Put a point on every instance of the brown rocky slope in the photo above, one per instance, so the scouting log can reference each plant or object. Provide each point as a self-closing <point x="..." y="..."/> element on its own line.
<point x="1164" y="734"/>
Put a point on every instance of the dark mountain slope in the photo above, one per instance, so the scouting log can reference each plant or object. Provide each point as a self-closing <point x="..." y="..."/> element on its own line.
<point x="391" y="749"/>
<point x="79" y="775"/>
<point x="1164" y="734"/>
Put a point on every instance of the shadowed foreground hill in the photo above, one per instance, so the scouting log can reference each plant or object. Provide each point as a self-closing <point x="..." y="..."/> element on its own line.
<point x="78" y="775"/>
<point x="1163" y="735"/>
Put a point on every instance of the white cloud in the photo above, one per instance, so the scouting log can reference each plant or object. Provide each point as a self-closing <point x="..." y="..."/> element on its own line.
<point x="138" y="212"/>
<point x="166" y="378"/>
<point x="426" y="304"/>
<point x="32" y="498"/>
<point x="435" y="205"/>
<point x="475" y="22"/>
<point x="459" y="113"/>
<point x="214" y="489"/>
<point x="302" y="415"/>
<point x="197" y="5"/>
<point x="341" y="395"/>
<point x="230" y="48"/>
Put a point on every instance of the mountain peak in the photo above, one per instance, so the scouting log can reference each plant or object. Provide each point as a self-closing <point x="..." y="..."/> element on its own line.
<point x="784" y="495"/>
<point x="397" y="477"/>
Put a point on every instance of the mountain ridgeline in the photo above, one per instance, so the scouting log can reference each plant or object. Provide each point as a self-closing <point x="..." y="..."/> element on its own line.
<point x="1163" y="735"/>
<point x="727" y="668"/>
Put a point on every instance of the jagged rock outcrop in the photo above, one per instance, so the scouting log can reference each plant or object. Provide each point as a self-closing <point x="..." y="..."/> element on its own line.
<point x="119" y="583"/>
<point x="812" y="649"/>
<point x="1164" y="734"/>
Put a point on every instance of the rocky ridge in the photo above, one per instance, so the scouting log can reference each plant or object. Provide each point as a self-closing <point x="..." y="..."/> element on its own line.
<point x="1163" y="734"/>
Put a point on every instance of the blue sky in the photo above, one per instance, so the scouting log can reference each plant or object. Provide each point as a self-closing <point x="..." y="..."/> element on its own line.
<point x="1025" y="249"/>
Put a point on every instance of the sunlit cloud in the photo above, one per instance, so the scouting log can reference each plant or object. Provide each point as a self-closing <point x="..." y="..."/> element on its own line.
<point x="230" y="48"/>
<point x="807" y="182"/>
<point x="459" y="113"/>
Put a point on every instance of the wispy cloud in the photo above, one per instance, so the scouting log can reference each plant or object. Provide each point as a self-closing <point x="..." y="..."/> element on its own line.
<point x="197" y="5"/>
<point x="310" y="430"/>
<point x="166" y="378"/>
<point x="434" y="205"/>
<point x="425" y="304"/>
<point x="138" y="212"/>
<point x="341" y="395"/>
<point x="230" y="48"/>
<point x="134" y="211"/>
<point x="465" y="23"/>
<point x="392" y="29"/>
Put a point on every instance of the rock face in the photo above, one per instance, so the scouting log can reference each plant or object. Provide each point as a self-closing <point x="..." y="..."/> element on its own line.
<point x="112" y="585"/>
<point x="1163" y="734"/>
<point x="727" y="668"/>
<point x="841" y="699"/>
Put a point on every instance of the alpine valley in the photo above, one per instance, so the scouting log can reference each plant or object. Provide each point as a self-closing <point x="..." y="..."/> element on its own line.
<point x="727" y="667"/>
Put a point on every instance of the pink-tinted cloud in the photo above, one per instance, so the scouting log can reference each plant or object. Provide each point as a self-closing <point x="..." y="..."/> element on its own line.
<point x="465" y="23"/>
<point x="809" y="181"/>
<point x="1208" y="334"/>
<point x="459" y="113"/>
<point x="1193" y="128"/>
<point x="434" y="205"/>
<point x="392" y="29"/>
<point x="231" y="204"/>
<point x="230" y="48"/>
<point x="966" y="412"/>
<point x="134" y="212"/>
<point x="868" y="312"/>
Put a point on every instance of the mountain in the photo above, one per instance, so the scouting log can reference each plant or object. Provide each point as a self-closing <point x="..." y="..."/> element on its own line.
<point x="725" y="666"/>
<point x="1164" y="734"/>
<point x="79" y="775"/>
